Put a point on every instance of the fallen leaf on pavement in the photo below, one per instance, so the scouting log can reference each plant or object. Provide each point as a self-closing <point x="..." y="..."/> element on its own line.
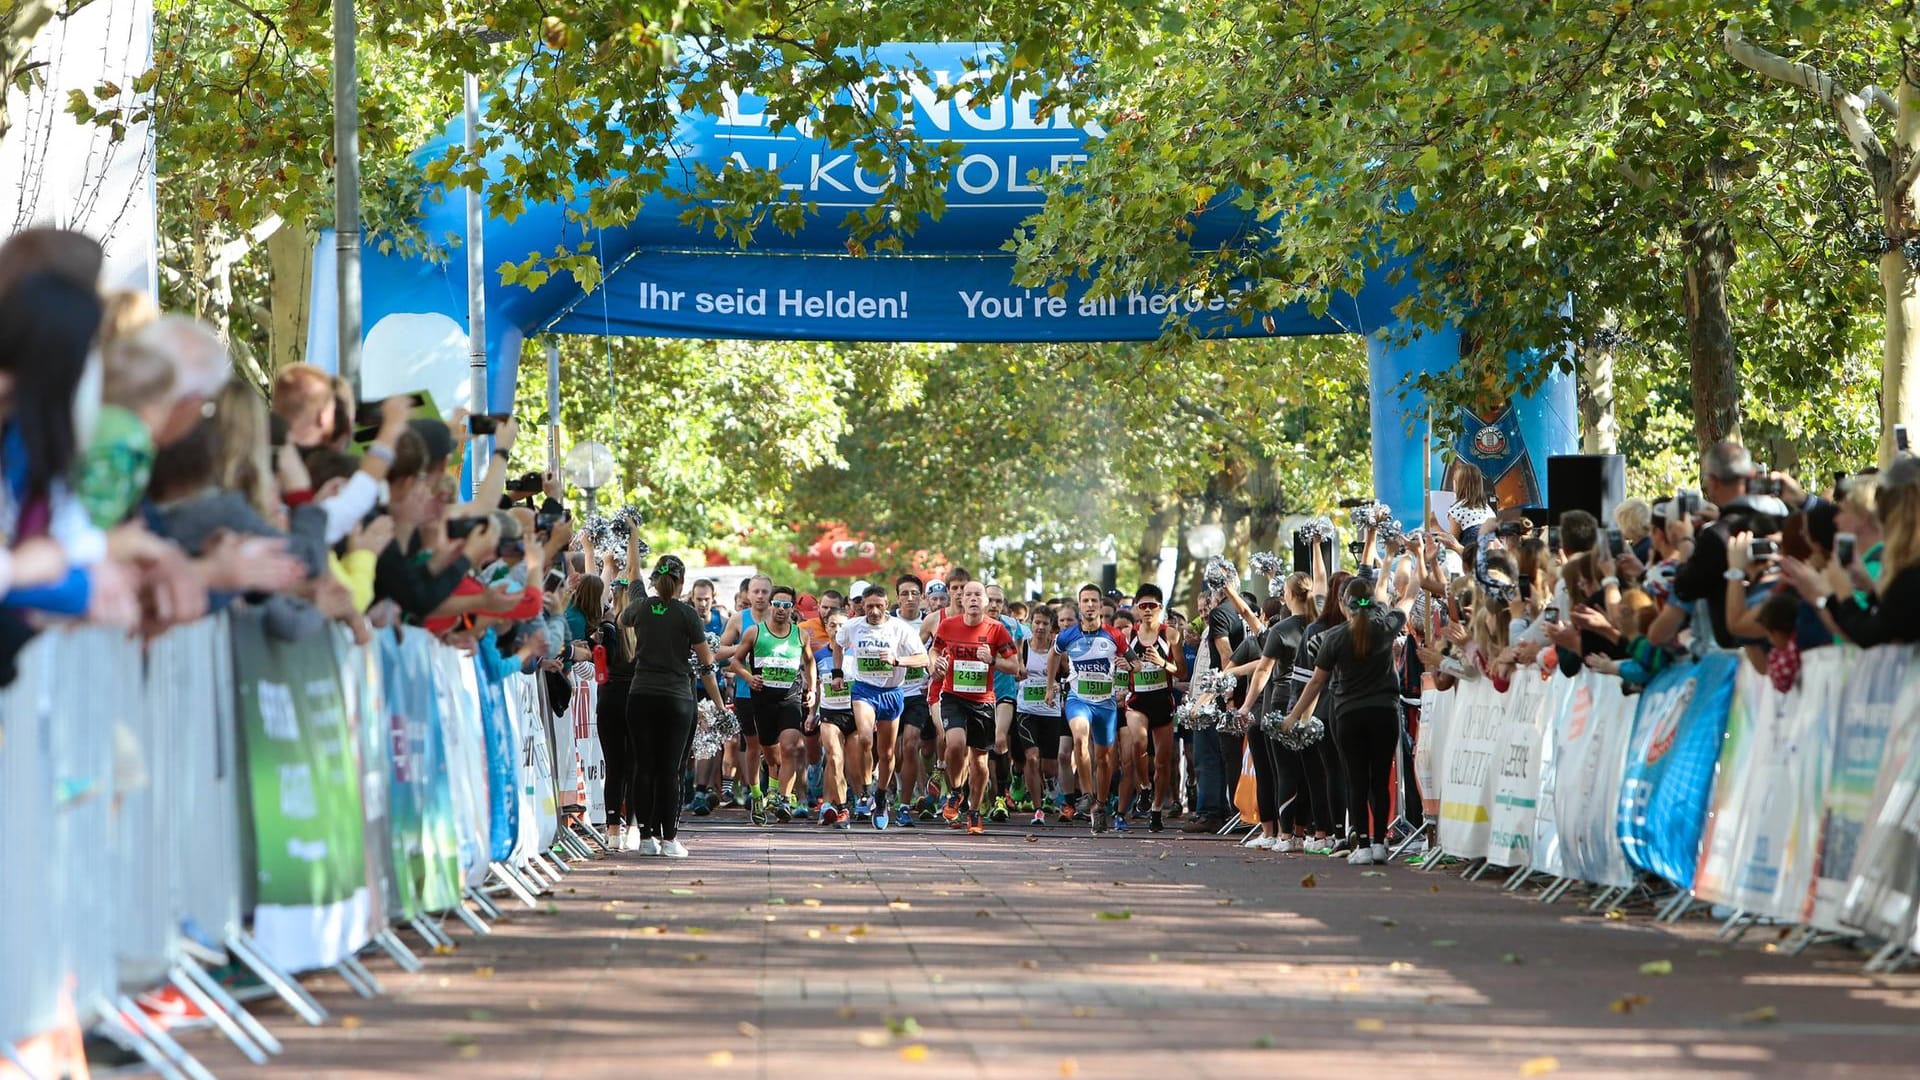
<point x="899" y="905"/>
<point x="872" y="1039"/>
<point x="811" y="901"/>
<point x="1657" y="967"/>
<point x="696" y="931"/>
<point x="983" y="913"/>
<point x="1030" y="965"/>
<point x="1373" y="873"/>
<point x="1539" y="1066"/>
<point x="1765" y="1014"/>
<point x="1032" y="839"/>
<point x="813" y="933"/>
<point x="750" y="1030"/>
<point x="1399" y="965"/>
<point x="1626" y="1003"/>
<point x="1433" y="888"/>
<point x="1114" y="916"/>
<point x="693" y="957"/>
<point x="1264" y="1042"/>
<point x="1615" y="915"/>
<point x="1443" y="943"/>
<point x="845" y="1012"/>
<point x="903" y="1025"/>
<point x="479" y="1016"/>
<point x="483" y="972"/>
<point x="1511" y="958"/>
<point x="1385" y="920"/>
<point x="350" y="1022"/>
<point x="626" y="916"/>
<point x="1069" y="1067"/>
<point x="1309" y="882"/>
<point x="915" y="1053"/>
<point x="1082" y="1011"/>
<point x="680" y="892"/>
<point x="1371" y="1025"/>
<point x="720" y="1059"/>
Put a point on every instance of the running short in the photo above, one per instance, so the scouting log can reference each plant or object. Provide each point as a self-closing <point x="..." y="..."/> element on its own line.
<point x="973" y="717"/>
<point x="841" y="720"/>
<point x="772" y="715"/>
<point x="885" y="700"/>
<point x="1029" y="732"/>
<point x="1051" y="730"/>
<point x="1007" y="699"/>
<point x="1103" y="720"/>
<point x="1157" y="707"/>
<point x="915" y="714"/>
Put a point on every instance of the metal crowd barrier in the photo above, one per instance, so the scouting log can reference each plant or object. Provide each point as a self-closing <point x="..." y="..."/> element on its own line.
<point x="164" y="802"/>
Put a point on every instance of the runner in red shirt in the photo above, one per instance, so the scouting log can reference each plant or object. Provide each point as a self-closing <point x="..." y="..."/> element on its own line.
<point x="967" y="649"/>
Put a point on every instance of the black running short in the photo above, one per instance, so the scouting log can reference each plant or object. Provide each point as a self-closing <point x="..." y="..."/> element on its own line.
<point x="914" y="713"/>
<point x="772" y="715"/>
<point x="1156" y="706"/>
<point x="1031" y="732"/>
<point x="1051" y="730"/>
<point x="974" y="717"/>
<point x="837" y="718"/>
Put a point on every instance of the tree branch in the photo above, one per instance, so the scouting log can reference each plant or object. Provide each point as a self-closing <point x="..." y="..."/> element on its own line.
<point x="1851" y="109"/>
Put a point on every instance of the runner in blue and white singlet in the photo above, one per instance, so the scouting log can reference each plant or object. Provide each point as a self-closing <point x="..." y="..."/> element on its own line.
<point x="1091" y="657"/>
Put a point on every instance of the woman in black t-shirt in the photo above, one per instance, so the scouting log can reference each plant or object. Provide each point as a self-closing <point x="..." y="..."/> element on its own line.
<point x="660" y="710"/>
<point x="1357" y="657"/>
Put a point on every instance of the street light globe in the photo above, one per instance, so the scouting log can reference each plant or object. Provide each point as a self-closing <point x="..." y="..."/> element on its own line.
<point x="589" y="466"/>
<point x="1206" y="541"/>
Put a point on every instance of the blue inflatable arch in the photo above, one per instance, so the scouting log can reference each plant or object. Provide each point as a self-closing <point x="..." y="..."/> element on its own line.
<point x="954" y="283"/>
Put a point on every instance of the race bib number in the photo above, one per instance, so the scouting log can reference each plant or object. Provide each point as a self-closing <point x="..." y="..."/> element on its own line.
<point x="840" y="702"/>
<point x="872" y="660"/>
<point x="1033" y="691"/>
<point x="1150" y="678"/>
<point x="970" y="677"/>
<point x="1092" y="686"/>
<point x="779" y="676"/>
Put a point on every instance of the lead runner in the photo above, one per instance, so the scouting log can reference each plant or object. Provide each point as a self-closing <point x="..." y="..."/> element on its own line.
<point x="967" y="649"/>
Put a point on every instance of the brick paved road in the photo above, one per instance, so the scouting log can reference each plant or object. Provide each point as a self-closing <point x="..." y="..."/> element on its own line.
<point x="799" y="953"/>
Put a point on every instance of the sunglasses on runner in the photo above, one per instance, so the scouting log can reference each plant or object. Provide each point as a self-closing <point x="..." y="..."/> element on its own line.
<point x="781" y="604"/>
<point x="1145" y="605"/>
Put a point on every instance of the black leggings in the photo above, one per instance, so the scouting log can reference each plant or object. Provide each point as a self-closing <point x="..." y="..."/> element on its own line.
<point x="1368" y="738"/>
<point x="1266" y="773"/>
<point x="616" y="744"/>
<point x="1326" y="782"/>
<point x="662" y="729"/>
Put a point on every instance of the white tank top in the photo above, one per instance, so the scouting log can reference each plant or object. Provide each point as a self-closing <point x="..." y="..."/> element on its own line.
<point x="1033" y="688"/>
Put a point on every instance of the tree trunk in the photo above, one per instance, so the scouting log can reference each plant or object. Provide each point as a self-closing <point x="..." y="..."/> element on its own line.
<point x="1711" y="353"/>
<point x="1600" y="431"/>
<point x="1153" y="537"/>
<point x="1900" y="355"/>
<point x="290" y="272"/>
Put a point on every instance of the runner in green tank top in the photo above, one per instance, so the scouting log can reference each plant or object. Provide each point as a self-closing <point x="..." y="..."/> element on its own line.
<point x="780" y="671"/>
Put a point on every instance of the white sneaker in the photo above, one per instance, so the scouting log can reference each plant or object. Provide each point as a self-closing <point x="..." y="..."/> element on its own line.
<point x="673" y="849"/>
<point x="648" y="846"/>
<point x="1286" y="845"/>
<point x="631" y="841"/>
<point x="1361" y="857"/>
<point x="1379" y="852"/>
<point x="1263" y="843"/>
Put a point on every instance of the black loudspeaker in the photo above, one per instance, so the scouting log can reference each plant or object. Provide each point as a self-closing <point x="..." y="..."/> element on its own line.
<point x="1595" y="483"/>
<point x="1303" y="556"/>
<point x="1109" y="578"/>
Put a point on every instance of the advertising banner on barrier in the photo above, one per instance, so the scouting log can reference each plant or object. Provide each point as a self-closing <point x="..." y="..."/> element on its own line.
<point x="1516" y="776"/>
<point x="425" y="841"/>
<point x="1884" y="896"/>
<point x="1429" y="747"/>
<point x="1476" y="738"/>
<point x="1670" y="765"/>
<point x="1546" y="857"/>
<point x="1871" y="729"/>
<point x="1590" y="733"/>
<point x="303" y="785"/>
<point x="366" y="711"/>
<point x="463" y="734"/>
<point x="589" y="764"/>
<point x="526" y="699"/>
<point x="1757" y="851"/>
<point x="503" y="750"/>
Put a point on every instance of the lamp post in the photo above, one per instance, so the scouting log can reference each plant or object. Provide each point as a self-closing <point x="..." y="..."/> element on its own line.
<point x="589" y="468"/>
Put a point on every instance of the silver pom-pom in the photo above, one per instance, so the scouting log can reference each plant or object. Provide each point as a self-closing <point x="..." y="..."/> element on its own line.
<point x="1267" y="564"/>
<point x="1220" y="573"/>
<point x="715" y="728"/>
<point x="598" y="530"/>
<point x="1319" y="530"/>
<point x="1302" y="735"/>
<point x="1213" y="684"/>
<point x="1195" y="714"/>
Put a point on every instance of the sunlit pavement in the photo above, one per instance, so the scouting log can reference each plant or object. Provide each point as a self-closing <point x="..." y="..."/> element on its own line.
<point x="800" y="952"/>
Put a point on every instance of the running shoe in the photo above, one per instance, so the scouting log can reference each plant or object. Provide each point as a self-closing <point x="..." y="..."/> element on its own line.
<point x="1039" y="817"/>
<point x="1379" y="852"/>
<point x="1098" y="819"/>
<point x="863" y="807"/>
<point x="673" y="849"/>
<point x="172" y="1010"/>
<point x="1066" y="812"/>
<point x="926" y="813"/>
<point x="782" y="810"/>
<point x="881" y="819"/>
<point x="1120" y="823"/>
<point x="649" y="846"/>
<point x="702" y="803"/>
<point x="1154" y="822"/>
<point x="1361" y="857"/>
<point x="1318" y="845"/>
<point x="1173" y="812"/>
<point x="756" y="808"/>
<point x="958" y="821"/>
<point x="904" y="818"/>
<point x="998" y="815"/>
<point x="828" y="815"/>
<point x="974" y="826"/>
<point x="951" y="811"/>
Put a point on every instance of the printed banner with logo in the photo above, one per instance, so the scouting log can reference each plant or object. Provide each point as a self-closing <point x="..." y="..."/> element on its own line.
<point x="1470" y="766"/>
<point x="365" y="697"/>
<point x="1757" y="853"/>
<point x="1670" y="766"/>
<point x="303" y="788"/>
<point x="1528" y="705"/>
<point x="1879" y="718"/>
<point x="1591" y="729"/>
<point x="425" y="840"/>
<point x="1429" y="749"/>
<point x="1884" y="896"/>
<point x="527" y="701"/>
<point x="503" y="752"/>
<point x="1547" y="857"/>
<point x="588" y="765"/>
<point x="464" y="735"/>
